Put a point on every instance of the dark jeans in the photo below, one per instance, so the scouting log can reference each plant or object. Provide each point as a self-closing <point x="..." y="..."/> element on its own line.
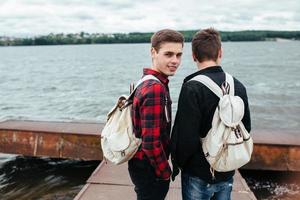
<point x="194" y="188"/>
<point x="147" y="185"/>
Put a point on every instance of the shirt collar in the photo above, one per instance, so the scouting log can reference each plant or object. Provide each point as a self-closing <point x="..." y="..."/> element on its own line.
<point x="163" y="78"/>
<point x="204" y="71"/>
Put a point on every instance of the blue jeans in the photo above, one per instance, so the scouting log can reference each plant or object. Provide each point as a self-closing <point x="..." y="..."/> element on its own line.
<point x="193" y="188"/>
<point x="147" y="185"/>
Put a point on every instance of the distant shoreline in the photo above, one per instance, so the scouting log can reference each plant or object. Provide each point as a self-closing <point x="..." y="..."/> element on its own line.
<point x="136" y="37"/>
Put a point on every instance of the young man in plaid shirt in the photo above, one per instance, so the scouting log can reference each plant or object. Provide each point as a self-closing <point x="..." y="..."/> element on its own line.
<point x="151" y="112"/>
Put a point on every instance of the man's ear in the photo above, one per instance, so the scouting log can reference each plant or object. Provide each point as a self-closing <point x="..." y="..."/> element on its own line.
<point x="220" y="53"/>
<point x="194" y="57"/>
<point x="153" y="52"/>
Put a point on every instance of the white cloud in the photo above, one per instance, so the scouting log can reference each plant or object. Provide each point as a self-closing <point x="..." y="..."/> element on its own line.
<point x="35" y="17"/>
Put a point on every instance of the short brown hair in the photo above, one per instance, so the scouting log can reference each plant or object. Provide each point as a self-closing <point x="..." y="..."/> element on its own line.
<point x="206" y="44"/>
<point x="166" y="35"/>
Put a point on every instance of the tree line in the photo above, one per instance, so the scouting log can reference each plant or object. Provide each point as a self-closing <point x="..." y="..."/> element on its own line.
<point x="136" y="37"/>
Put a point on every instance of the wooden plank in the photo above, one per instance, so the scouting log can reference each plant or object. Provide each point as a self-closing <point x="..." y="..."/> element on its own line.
<point x="106" y="192"/>
<point x="240" y="190"/>
<point x="112" y="181"/>
<point x="109" y="182"/>
<point x="117" y="192"/>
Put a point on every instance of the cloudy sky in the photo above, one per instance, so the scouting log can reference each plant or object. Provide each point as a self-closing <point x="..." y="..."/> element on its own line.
<point x="40" y="17"/>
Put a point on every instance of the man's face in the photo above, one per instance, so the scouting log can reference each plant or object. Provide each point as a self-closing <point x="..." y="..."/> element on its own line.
<point x="168" y="58"/>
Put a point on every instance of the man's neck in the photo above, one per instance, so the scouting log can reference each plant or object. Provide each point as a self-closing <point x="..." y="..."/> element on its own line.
<point x="206" y="64"/>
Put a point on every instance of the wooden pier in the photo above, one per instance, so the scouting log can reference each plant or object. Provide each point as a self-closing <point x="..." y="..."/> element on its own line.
<point x="111" y="182"/>
<point x="273" y="150"/>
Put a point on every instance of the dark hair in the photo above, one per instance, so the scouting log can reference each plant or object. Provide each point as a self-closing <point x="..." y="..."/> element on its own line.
<point x="206" y="44"/>
<point x="166" y="35"/>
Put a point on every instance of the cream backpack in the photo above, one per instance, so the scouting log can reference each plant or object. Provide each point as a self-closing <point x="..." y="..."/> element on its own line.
<point x="118" y="140"/>
<point x="228" y="145"/>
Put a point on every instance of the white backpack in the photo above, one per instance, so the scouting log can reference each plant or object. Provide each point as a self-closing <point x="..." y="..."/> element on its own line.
<point x="228" y="145"/>
<point x="118" y="140"/>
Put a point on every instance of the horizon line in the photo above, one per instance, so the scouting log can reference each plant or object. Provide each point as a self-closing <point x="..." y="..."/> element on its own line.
<point x="111" y="33"/>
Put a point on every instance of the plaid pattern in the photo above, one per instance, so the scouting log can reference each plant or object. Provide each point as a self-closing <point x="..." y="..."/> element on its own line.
<point x="150" y="122"/>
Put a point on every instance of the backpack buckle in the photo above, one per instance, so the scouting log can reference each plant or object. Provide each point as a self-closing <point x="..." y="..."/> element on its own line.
<point x="122" y="153"/>
<point x="225" y="88"/>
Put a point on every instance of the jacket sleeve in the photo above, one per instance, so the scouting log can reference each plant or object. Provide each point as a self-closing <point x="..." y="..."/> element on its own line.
<point x="152" y="113"/>
<point x="185" y="138"/>
<point x="241" y="90"/>
<point x="246" y="119"/>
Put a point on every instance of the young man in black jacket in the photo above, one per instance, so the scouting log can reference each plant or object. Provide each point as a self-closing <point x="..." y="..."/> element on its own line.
<point x="196" y="107"/>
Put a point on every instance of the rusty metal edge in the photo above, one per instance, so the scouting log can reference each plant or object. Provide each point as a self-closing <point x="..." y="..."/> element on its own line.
<point x="263" y="136"/>
<point x="60" y="152"/>
<point x="274" y="158"/>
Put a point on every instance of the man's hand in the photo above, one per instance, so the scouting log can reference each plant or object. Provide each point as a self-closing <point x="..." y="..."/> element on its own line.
<point x="175" y="171"/>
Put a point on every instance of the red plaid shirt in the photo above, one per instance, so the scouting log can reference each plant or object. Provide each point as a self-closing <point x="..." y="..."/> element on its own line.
<point x="150" y="122"/>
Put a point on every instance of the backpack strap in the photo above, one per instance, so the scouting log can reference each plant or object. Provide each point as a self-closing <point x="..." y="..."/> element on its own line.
<point x="125" y="100"/>
<point x="229" y="80"/>
<point x="205" y="80"/>
<point x="208" y="82"/>
<point x="145" y="78"/>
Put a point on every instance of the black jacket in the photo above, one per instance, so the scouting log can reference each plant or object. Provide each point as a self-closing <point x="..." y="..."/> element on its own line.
<point x="196" y="107"/>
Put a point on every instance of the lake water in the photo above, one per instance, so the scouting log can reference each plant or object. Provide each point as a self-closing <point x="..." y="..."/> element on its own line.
<point x="82" y="82"/>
